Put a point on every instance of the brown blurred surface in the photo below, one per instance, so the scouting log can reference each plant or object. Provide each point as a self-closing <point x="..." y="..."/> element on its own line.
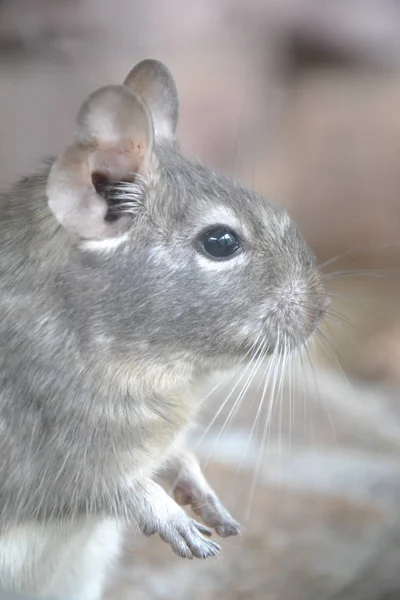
<point x="300" y="100"/>
<point x="324" y="511"/>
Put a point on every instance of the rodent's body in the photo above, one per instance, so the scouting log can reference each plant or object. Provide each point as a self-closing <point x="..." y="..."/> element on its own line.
<point x="126" y="273"/>
<point x="86" y="402"/>
<point x="75" y="559"/>
<point x="88" y="387"/>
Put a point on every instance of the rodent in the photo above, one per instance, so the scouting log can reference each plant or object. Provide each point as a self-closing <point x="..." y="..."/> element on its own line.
<point x="127" y="272"/>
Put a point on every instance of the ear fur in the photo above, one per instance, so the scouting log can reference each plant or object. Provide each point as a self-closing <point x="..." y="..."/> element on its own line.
<point x="114" y="139"/>
<point x="155" y="85"/>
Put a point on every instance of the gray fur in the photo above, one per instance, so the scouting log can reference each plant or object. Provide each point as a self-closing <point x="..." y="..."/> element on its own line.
<point x="99" y="350"/>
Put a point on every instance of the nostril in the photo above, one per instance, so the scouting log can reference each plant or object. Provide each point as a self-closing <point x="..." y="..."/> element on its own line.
<point x="320" y="314"/>
<point x="324" y="306"/>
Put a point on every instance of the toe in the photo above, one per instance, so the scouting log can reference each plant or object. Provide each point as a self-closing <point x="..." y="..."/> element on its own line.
<point x="227" y="529"/>
<point x="203" y="529"/>
<point x="203" y="548"/>
<point x="178" y="544"/>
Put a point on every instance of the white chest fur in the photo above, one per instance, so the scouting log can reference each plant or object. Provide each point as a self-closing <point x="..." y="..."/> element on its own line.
<point x="60" y="561"/>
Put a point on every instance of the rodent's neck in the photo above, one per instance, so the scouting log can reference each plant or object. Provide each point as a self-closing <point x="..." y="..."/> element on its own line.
<point x="140" y="376"/>
<point x="28" y="224"/>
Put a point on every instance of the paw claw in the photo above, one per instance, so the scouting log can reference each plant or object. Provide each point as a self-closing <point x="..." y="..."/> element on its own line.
<point x="187" y="537"/>
<point x="203" y="529"/>
<point x="228" y="529"/>
<point x="180" y="548"/>
<point x="214" y="515"/>
<point x="204" y="549"/>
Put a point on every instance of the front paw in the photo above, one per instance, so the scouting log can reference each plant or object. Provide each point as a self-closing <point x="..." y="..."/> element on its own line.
<point x="184" y="535"/>
<point x="208" y="507"/>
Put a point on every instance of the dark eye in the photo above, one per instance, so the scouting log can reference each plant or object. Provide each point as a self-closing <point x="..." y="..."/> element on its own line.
<point x="220" y="242"/>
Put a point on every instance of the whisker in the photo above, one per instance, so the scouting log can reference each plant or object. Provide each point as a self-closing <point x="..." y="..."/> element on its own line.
<point x="276" y="356"/>
<point x="334" y="354"/>
<point x="239" y="399"/>
<point x="214" y="389"/>
<point x="281" y="390"/>
<point x="351" y="250"/>
<point x="380" y="273"/>
<point x="303" y="388"/>
<point x="335" y="314"/>
<point x="290" y="388"/>
<point x="347" y="320"/>
<point x="223" y="380"/>
<point x="224" y="403"/>
<point x="268" y="372"/>
<point x="318" y="390"/>
<point x="340" y="294"/>
<point x="356" y="248"/>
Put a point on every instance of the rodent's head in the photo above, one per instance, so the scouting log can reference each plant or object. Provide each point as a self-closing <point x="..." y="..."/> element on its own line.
<point x="187" y="262"/>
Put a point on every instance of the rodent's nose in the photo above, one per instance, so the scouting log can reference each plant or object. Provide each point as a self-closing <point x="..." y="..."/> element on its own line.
<point x="297" y="311"/>
<point x="326" y="301"/>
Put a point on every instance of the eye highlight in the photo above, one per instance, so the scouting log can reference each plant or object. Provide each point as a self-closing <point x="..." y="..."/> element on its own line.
<point x="219" y="243"/>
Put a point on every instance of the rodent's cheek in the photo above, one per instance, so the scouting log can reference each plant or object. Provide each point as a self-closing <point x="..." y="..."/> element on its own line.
<point x="161" y="257"/>
<point x="221" y="266"/>
<point x="274" y="324"/>
<point x="254" y="324"/>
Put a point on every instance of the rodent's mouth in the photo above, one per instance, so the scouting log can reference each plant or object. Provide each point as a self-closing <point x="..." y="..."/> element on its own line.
<point x="295" y="317"/>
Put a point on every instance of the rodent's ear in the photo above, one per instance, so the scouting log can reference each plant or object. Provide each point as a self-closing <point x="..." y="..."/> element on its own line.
<point x="155" y="85"/>
<point x="114" y="140"/>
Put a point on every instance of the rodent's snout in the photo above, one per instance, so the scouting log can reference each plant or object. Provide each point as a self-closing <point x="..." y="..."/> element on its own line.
<point x="296" y="311"/>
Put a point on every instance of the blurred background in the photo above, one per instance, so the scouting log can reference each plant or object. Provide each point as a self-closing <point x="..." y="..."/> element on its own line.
<point x="300" y="100"/>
